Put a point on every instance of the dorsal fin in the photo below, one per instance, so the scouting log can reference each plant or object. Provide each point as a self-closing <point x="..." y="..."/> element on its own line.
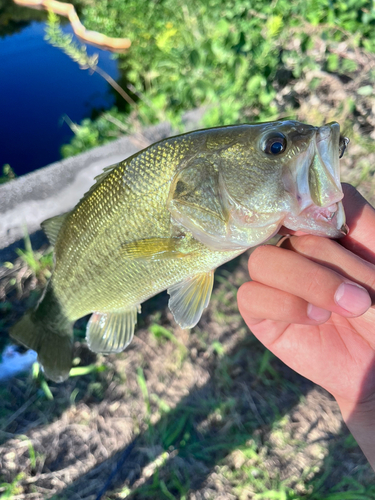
<point x="99" y="178"/>
<point x="52" y="226"/>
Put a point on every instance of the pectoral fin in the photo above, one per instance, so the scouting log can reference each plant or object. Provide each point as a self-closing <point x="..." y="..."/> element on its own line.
<point x="112" y="331"/>
<point x="190" y="297"/>
<point x="152" y="248"/>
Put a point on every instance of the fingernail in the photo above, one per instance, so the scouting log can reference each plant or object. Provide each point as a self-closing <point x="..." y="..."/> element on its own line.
<point x="353" y="298"/>
<point x="317" y="313"/>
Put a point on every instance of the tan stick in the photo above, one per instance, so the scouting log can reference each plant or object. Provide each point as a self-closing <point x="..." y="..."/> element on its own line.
<point x="115" y="85"/>
<point x="68" y="10"/>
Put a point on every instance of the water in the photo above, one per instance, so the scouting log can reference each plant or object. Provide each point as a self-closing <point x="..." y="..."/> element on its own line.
<point x="39" y="85"/>
<point x="13" y="362"/>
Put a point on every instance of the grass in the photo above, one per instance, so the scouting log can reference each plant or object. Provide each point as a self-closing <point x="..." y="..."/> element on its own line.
<point x="162" y="333"/>
<point x="10" y="490"/>
<point x="40" y="264"/>
<point x="220" y="424"/>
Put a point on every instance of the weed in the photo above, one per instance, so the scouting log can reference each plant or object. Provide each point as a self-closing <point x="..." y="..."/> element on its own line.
<point x="79" y="371"/>
<point x="39" y="264"/>
<point x="265" y="366"/>
<point x="218" y="348"/>
<point x="143" y="387"/>
<point x="163" y="406"/>
<point x="7" y="491"/>
<point x="40" y="380"/>
<point x="56" y="37"/>
<point x="8" y="174"/>
<point x="162" y="333"/>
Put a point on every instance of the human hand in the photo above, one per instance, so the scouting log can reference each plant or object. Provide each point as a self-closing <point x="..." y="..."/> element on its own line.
<point x="310" y="304"/>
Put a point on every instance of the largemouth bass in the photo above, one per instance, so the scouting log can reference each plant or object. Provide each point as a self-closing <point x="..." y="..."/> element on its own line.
<point x="167" y="217"/>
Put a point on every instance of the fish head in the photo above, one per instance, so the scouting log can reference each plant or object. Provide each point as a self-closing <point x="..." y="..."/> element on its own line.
<point x="246" y="181"/>
<point x="289" y="173"/>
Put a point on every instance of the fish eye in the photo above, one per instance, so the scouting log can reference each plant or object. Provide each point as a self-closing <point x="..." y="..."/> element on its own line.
<point x="274" y="144"/>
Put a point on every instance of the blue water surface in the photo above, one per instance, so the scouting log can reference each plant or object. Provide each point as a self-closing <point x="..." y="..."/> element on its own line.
<point x="39" y="85"/>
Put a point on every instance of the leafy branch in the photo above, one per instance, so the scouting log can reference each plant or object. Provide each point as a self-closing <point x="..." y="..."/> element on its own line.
<point x="78" y="53"/>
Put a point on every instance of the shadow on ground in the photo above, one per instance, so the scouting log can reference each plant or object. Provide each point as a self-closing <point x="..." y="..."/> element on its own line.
<point x="183" y="447"/>
<point x="223" y="428"/>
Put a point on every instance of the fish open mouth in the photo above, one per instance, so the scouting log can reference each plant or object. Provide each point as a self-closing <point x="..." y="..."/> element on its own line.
<point x="332" y="216"/>
<point x="330" y="147"/>
<point x="319" y="191"/>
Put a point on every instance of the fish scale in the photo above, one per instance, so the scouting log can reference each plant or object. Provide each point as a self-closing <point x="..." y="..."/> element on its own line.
<point x="167" y="217"/>
<point x="103" y="239"/>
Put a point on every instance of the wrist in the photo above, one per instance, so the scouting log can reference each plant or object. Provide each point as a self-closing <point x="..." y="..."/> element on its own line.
<point x="360" y="420"/>
<point x="362" y="412"/>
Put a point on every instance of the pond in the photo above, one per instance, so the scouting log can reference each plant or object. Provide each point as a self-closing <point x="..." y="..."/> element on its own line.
<point x="39" y="87"/>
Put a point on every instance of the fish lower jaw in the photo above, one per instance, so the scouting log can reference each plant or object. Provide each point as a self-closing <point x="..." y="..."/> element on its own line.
<point x="333" y="214"/>
<point x="322" y="221"/>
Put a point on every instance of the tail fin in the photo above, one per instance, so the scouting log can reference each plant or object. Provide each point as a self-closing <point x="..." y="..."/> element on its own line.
<point x="51" y="336"/>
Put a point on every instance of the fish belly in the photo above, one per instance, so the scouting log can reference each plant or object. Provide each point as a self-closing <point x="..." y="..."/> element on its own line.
<point x="125" y="283"/>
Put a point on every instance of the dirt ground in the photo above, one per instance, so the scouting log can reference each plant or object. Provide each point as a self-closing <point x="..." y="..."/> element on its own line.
<point x="206" y="414"/>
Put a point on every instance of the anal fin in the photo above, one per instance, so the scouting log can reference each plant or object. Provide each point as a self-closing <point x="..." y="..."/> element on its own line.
<point x="111" y="331"/>
<point x="190" y="297"/>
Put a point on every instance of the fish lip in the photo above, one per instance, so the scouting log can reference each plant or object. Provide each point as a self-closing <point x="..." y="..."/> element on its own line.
<point x="327" y="146"/>
<point x="327" y="140"/>
<point x="341" y="220"/>
<point x="324" y="145"/>
<point x="344" y="230"/>
<point x="343" y="144"/>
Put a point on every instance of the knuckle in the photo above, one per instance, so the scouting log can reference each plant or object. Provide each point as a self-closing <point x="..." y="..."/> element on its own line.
<point x="307" y="244"/>
<point x="370" y="280"/>
<point x="313" y="246"/>
<point x="246" y="297"/>
<point x="242" y="292"/>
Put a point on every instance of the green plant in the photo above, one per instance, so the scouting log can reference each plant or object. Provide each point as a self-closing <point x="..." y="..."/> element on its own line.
<point x="40" y="380"/>
<point x="143" y="387"/>
<point x="78" y="53"/>
<point x="160" y="332"/>
<point x="231" y="57"/>
<point x="8" y="174"/>
<point x="39" y="264"/>
<point x="9" y="490"/>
